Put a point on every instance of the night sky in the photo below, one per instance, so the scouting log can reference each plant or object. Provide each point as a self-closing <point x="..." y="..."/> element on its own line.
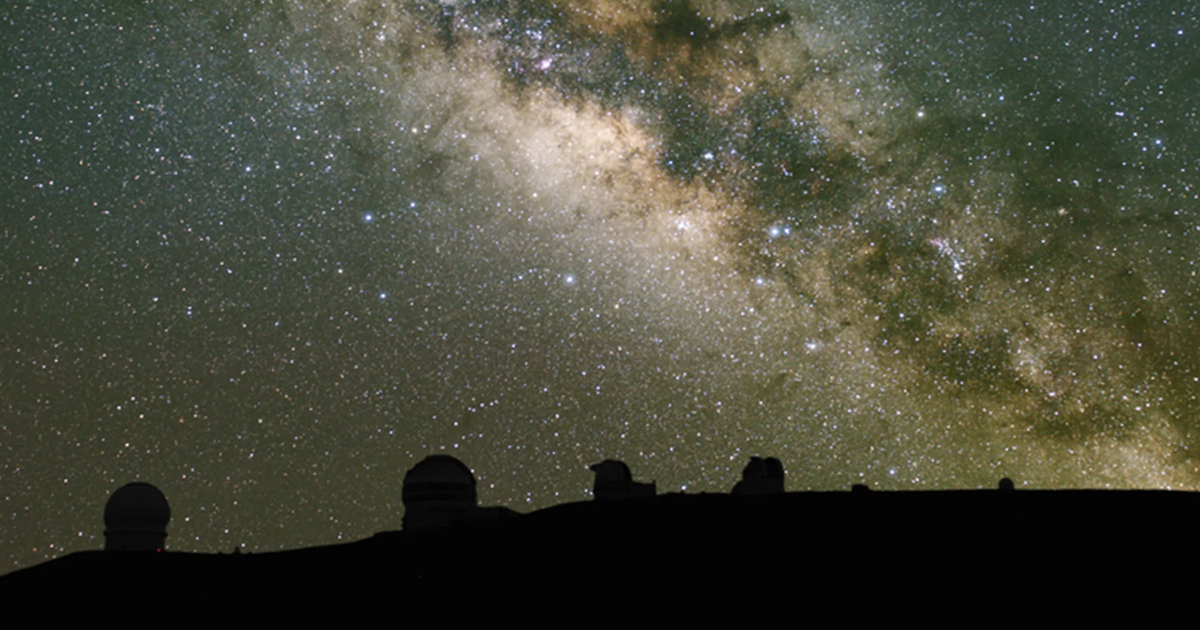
<point x="270" y="255"/>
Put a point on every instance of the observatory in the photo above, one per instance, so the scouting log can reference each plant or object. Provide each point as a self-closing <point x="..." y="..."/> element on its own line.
<point x="135" y="519"/>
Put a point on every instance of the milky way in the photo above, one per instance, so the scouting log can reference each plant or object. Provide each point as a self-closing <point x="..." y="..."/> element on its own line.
<point x="269" y="257"/>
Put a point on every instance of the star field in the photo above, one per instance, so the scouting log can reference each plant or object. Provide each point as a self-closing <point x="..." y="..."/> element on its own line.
<point x="270" y="257"/>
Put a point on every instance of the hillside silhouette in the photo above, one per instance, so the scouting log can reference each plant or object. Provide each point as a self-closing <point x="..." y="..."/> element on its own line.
<point x="629" y="542"/>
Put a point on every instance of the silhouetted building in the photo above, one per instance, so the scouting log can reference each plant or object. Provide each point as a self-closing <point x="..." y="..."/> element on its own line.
<point x="135" y="519"/>
<point x="438" y="492"/>
<point x="614" y="481"/>
<point x="761" y="476"/>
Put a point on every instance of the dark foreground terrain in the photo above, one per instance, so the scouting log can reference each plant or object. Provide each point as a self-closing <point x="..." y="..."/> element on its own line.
<point x="811" y="549"/>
